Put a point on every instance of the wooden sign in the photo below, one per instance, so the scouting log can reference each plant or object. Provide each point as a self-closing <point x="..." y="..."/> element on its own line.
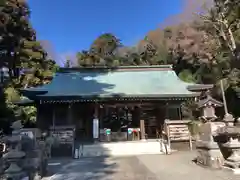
<point x="63" y="134"/>
<point x="177" y="130"/>
<point x="95" y="128"/>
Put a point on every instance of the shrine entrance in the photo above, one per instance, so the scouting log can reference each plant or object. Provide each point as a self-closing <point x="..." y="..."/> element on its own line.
<point x="121" y="118"/>
<point x="82" y="116"/>
<point x="118" y="118"/>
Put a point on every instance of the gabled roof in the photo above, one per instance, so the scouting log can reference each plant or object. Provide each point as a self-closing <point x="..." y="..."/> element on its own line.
<point x="131" y="81"/>
<point x="209" y="100"/>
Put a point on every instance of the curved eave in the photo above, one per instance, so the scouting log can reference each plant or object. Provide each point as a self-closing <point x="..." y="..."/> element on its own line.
<point x="25" y="102"/>
<point x="121" y="95"/>
<point x="76" y="98"/>
<point x="32" y="92"/>
<point x="200" y="87"/>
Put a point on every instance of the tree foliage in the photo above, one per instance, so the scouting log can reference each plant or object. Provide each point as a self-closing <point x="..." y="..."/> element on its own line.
<point x="205" y="50"/>
<point x="21" y="54"/>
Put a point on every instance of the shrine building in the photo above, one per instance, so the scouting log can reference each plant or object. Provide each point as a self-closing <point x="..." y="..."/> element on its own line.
<point x="139" y="97"/>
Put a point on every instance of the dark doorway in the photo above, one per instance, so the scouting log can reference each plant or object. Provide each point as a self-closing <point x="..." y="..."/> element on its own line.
<point x="83" y="120"/>
<point x="149" y="115"/>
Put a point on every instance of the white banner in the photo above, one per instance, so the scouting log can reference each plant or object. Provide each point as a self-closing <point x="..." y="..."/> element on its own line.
<point x="95" y="128"/>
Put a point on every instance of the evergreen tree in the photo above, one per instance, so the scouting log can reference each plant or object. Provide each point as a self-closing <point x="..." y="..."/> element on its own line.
<point x="21" y="54"/>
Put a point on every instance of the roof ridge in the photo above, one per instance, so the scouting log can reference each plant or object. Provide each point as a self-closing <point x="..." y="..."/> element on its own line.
<point x="102" y="68"/>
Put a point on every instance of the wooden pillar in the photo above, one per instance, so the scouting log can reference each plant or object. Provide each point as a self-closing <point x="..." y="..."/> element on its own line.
<point x="142" y="129"/>
<point x="53" y="118"/>
<point x="69" y="114"/>
<point x="96" y="111"/>
<point x="167" y="111"/>
<point x="142" y="126"/>
<point x="158" y="121"/>
<point x="180" y="112"/>
<point x="100" y="111"/>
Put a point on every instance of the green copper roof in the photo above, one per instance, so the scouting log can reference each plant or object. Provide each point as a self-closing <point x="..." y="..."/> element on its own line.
<point x="24" y="102"/>
<point x="153" y="81"/>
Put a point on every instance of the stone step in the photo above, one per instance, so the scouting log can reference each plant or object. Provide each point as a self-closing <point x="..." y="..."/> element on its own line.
<point x="122" y="149"/>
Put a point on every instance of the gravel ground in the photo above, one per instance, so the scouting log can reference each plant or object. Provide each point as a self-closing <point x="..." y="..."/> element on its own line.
<point x="177" y="166"/>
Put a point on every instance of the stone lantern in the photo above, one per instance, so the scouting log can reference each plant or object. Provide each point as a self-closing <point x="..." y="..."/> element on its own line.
<point x="14" y="155"/>
<point x="208" y="150"/>
<point x="232" y="145"/>
<point x="207" y="106"/>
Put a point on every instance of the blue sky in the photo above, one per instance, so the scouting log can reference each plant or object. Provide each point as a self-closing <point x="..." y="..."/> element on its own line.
<point x="72" y="25"/>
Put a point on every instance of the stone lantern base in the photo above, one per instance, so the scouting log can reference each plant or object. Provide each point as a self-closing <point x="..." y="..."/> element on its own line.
<point x="233" y="162"/>
<point x="209" y="155"/>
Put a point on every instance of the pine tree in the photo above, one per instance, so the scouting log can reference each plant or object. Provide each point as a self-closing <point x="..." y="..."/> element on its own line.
<point x="21" y="54"/>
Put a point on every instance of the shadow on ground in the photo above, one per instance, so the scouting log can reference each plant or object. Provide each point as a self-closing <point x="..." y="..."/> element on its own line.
<point x="90" y="168"/>
<point x="182" y="146"/>
<point x="98" y="167"/>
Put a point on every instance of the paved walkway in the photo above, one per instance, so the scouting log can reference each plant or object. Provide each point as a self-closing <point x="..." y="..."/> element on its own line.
<point x="98" y="168"/>
<point x="177" y="166"/>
